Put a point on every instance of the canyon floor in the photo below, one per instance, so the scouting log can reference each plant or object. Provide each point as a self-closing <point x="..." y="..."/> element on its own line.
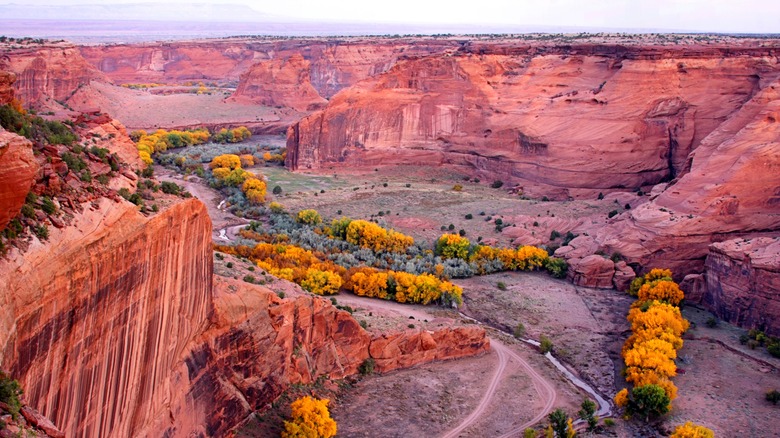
<point x="722" y="383"/>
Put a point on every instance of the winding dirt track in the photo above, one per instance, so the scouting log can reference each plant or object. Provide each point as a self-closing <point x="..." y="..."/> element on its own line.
<point x="542" y="387"/>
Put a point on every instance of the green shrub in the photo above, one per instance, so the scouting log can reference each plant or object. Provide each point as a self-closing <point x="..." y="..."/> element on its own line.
<point x="773" y="396"/>
<point x="47" y="205"/>
<point x="612" y="214"/>
<point x="497" y="184"/>
<point x="42" y="231"/>
<point x="367" y="367"/>
<point x="10" y="391"/>
<point x="557" y="267"/>
<point x="469" y="216"/>
<point x="501" y="285"/>
<point x="170" y="188"/>
<point x="277" y="190"/>
<point x="28" y="211"/>
<point x="249" y="278"/>
<point x="545" y="344"/>
<point x="554" y="235"/>
<point x="519" y="331"/>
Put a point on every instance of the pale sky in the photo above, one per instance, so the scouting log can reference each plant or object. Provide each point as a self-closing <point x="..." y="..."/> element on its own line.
<point x="749" y="16"/>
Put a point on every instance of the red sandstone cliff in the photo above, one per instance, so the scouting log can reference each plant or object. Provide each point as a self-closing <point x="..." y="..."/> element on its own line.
<point x="49" y="74"/>
<point x="743" y="282"/>
<point x="530" y="117"/>
<point x="283" y="83"/>
<point x="17" y="163"/>
<point x="335" y="63"/>
<point x="17" y="174"/>
<point x="732" y="190"/>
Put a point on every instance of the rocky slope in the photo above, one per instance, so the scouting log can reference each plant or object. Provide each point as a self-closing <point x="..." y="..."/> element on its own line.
<point x="528" y="116"/>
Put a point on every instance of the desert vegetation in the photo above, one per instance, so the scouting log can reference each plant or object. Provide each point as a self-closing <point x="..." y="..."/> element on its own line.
<point x="649" y="353"/>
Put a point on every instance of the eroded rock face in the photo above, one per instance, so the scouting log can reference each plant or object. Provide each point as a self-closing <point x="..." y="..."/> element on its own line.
<point x="743" y="282"/>
<point x="6" y="86"/>
<point x="335" y="63"/>
<point x="50" y="73"/>
<point x="94" y="323"/>
<point x="280" y="83"/>
<point x="18" y="168"/>
<point x="732" y="190"/>
<point x="260" y="344"/>
<point x="528" y="117"/>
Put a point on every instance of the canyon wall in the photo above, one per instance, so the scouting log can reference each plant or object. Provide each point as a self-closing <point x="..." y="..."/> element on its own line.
<point x="280" y="82"/>
<point x="49" y="73"/>
<point x="335" y="63"/>
<point x="113" y="328"/>
<point x="529" y="117"/>
<point x="743" y="282"/>
<point x="732" y="190"/>
<point x="95" y="321"/>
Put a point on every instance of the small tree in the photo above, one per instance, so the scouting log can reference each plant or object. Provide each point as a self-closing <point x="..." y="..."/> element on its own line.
<point x="309" y="217"/>
<point x="561" y="424"/>
<point x="310" y="418"/>
<point x="773" y="396"/>
<point x="545" y="344"/>
<point x="587" y="413"/>
<point x="648" y="401"/>
<point x="691" y="430"/>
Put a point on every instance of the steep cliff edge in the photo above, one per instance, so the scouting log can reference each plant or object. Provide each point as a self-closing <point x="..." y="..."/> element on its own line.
<point x="743" y="282"/>
<point x="50" y="74"/>
<point x="94" y="323"/>
<point x="18" y="168"/>
<point x="528" y="116"/>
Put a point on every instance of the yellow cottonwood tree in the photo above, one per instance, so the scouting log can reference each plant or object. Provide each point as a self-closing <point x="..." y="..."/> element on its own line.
<point x="310" y="419"/>
<point x="691" y="430"/>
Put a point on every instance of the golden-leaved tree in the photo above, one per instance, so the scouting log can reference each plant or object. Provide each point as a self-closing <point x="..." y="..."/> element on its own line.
<point x="310" y="419"/>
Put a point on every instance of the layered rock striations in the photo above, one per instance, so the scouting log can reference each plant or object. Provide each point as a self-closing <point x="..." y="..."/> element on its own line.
<point x="731" y="190"/>
<point x="95" y="323"/>
<point x="335" y="63"/>
<point x="552" y="121"/>
<point x="743" y="282"/>
<point x="283" y="83"/>
<point x="50" y="73"/>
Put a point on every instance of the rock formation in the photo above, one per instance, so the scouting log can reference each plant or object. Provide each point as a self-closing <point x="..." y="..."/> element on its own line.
<point x="17" y="174"/>
<point x="93" y="324"/>
<point x="335" y="63"/>
<point x="732" y="190"/>
<point x="49" y="74"/>
<point x="17" y="163"/>
<point x="743" y="282"/>
<point x="280" y="83"/>
<point x="528" y="117"/>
